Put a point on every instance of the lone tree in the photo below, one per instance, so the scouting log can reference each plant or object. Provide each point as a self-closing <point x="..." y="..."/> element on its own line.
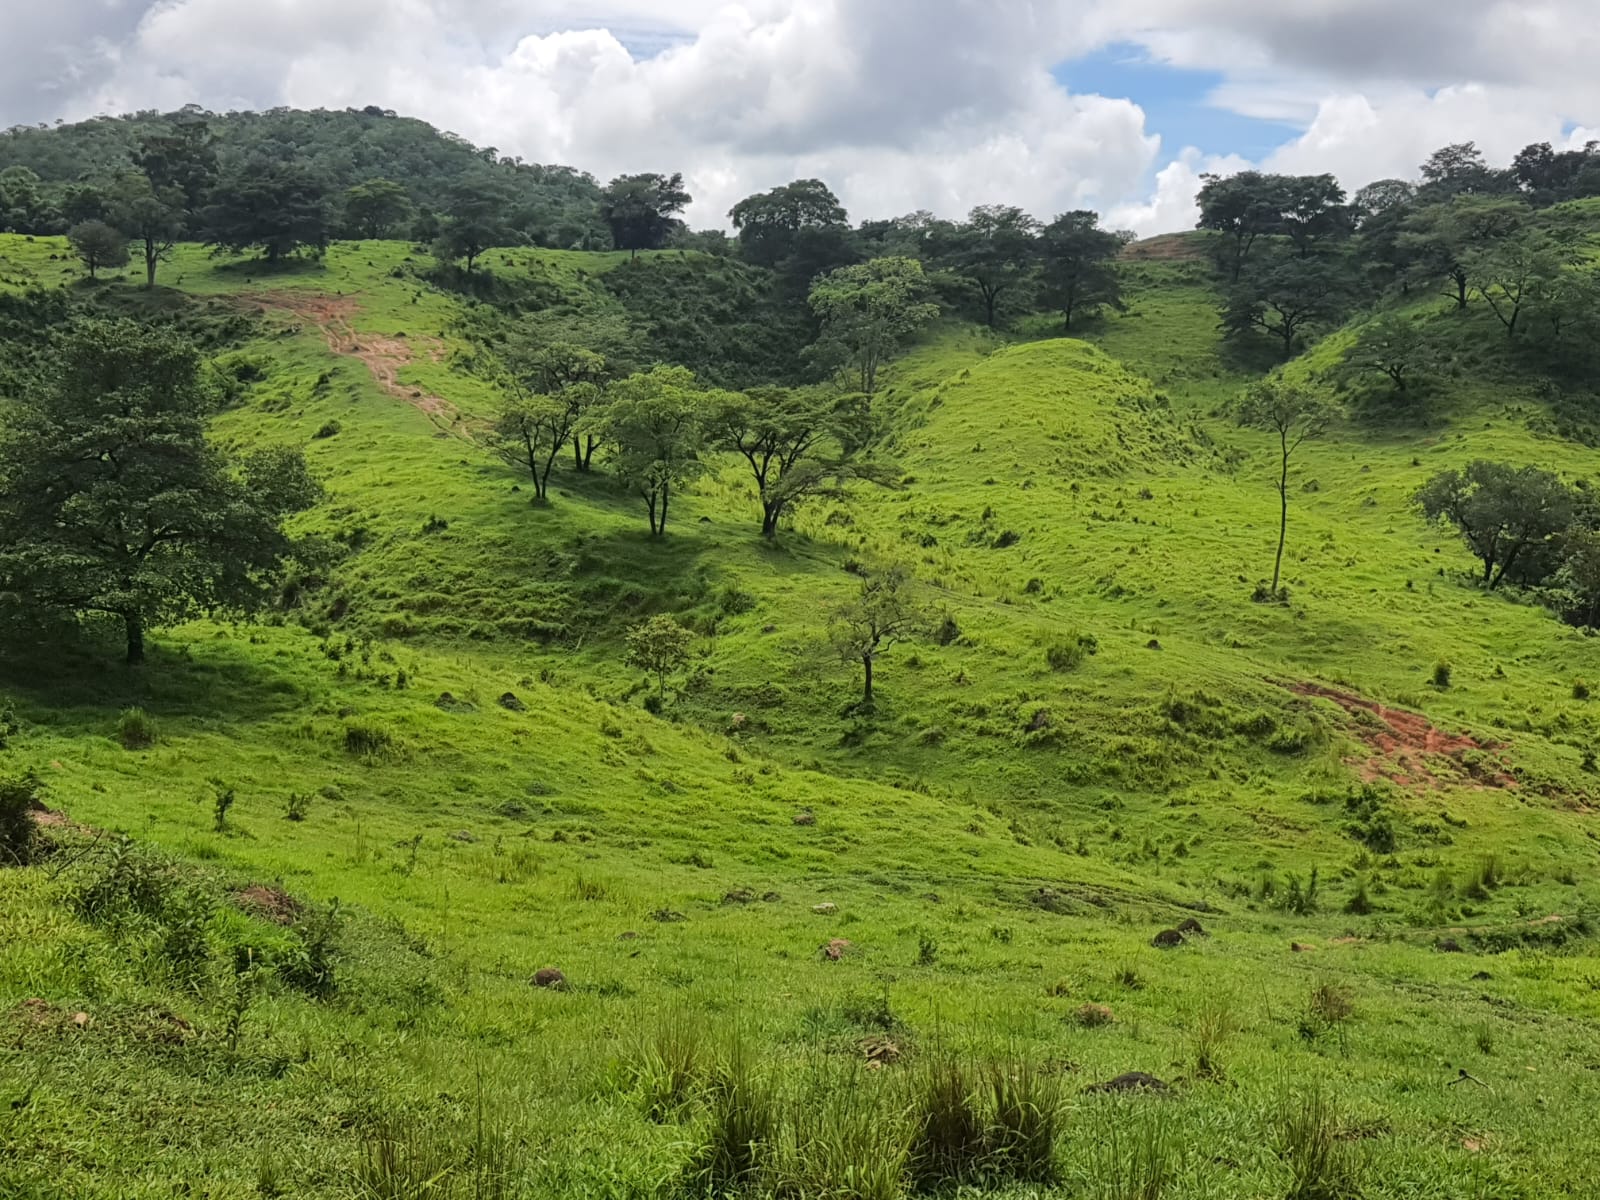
<point x="883" y="612"/>
<point x="1078" y="274"/>
<point x="867" y="309"/>
<point x="660" y="646"/>
<point x="1295" y="414"/>
<point x="1286" y="297"/>
<point x="553" y="389"/>
<point x="475" y="221"/>
<point x="1501" y="511"/>
<point x="113" y="502"/>
<point x="274" y="206"/>
<point x="1396" y="348"/>
<point x="799" y="230"/>
<point x="98" y="245"/>
<point x="654" y="424"/>
<point x="994" y="250"/>
<point x="798" y="443"/>
<point x="375" y="208"/>
<point x="642" y="210"/>
<point x="152" y="217"/>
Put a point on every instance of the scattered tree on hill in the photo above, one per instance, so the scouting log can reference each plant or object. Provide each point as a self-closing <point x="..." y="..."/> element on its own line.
<point x="1078" y="275"/>
<point x="994" y="250"/>
<point x="867" y="309"/>
<point x="800" y="230"/>
<point x="1294" y="414"/>
<point x="152" y="218"/>
<point x="798" y="442"/>
<point x="882" y="613"/>
<point x="474" y="222"/>
<point x="1459" y="169"/>
<point x="1311" y="211"/>
<point x="1442" y="239"/>
<point x="654" y="426"/>
<point x="642" y="210"/>
<point x="1286" y="297"/>
<point x="1243" y="208"/>
<point x="272" y="206"/>
<point x="554" y="389"/>
<point x="98" y="245"/>
<point x="23" y="208"/>
<point x="660" y="646"/>
<point x="182" y="158"/>
<point x="1579" y="576"/>
<point x="1513" y="273"/>
<point x="1502" y="512"/>
<point x="112" y="501"/>
<point x="1397" y="348"/>
<point x="376" y="208"/>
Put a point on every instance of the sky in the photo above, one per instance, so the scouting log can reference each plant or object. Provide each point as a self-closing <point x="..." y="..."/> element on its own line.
<point x="899" y="105"/>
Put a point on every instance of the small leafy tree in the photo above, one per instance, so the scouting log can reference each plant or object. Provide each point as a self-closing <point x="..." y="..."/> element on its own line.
<point x="994" y="250"/>
<point x="1294" y="414"/>
<point x="660" y="646"/>
<point x="554" y="389"/>
<point x="868" y="309"/>
<point x="1502" y="512"/>
<point x="113" y="501"/>
<point x="1579" y="576"/>
<point x="474" y="222"/>
<point x="98" y="245"/>
<point x="1078" y="271"/>
<point x="797" y="442"/>
<point x="1396" y="348"/>
<point x="1285" y="298"/>
<point x="654" y="424"/>
<point x="882" y="613"/>
<point x="152" y="217"/>
<point x="642" y="210"/>
<point x="375" y="208"/>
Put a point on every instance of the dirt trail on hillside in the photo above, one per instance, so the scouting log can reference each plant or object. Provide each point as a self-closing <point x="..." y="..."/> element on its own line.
<point x="1408" y="749"/>
<point x="384" y="356"/>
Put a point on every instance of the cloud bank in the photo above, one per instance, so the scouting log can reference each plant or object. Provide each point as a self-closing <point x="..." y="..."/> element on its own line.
<point x="898" y="104"/>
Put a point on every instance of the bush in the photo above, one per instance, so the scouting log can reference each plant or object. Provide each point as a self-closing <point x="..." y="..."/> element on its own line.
<point x="136" y="730"/>
<point x="1580" y="690"/>
<point x="130" y="886"/>
<point x="1068" y="656"/>
<point x="1323" y="1164"/>
<point x="1441" y="675"/>
<point x="328" y="430"/>
<point x="367" y="739"/>
<point x="299" y="806"/>
<point x="20" y="795"/>
<point x="309" y="965"/>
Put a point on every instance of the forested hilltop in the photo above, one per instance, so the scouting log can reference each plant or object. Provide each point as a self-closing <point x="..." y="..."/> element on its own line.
<point x="505" y="694"/>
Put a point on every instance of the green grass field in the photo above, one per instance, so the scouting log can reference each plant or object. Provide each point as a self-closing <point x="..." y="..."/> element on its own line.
<point x="766" y="906"/>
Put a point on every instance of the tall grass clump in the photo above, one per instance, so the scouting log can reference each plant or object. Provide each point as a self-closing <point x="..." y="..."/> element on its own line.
<point x="1135" y="1155"/>
<point x="668" y="1070"/>
<point x="844" y="1136"/>
<point x="1322" y="1164"/>
<point x="991" y="1125"/>
<point x="20" y="795"/>
<point x="368" y="740"/>
<point x="136" y="729"/>
<point x="737" y="1135"/>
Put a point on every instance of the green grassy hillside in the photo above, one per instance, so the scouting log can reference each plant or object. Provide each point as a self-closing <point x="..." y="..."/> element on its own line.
<point x="764" y="902"/>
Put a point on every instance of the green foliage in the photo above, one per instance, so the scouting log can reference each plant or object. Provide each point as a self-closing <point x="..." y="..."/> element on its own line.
<point x="1077" y="273"/>
<point x="642" y="210"/>
<point x="660" y="646"/>
<point x="136" y="729"/>
<point x="1068" y="656"/>
<point x="1505" y="514"/>
<point x="98" y="245"/>
<point x="868" y="310"/>
<point x="20" y="796"/>
<point x="275" y="207"/>
<point x="156" y="524"/>
<point x="654" y="429"/>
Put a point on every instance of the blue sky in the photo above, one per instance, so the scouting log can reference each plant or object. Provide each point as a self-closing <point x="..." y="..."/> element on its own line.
<point x="1176" y="102"/>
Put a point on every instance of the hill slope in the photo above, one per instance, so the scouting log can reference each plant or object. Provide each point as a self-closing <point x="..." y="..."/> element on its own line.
<point x="767" y="874"/>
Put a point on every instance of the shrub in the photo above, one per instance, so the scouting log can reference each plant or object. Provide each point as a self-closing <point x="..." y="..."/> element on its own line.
<point x="136" y="730"/>
<point x="20" y="795"/>
<point x="298" y="807"/>
<point x="221" y="801"/>
<point x="669" y="1070"/>
<point x="367" y="739"/>
<point x="1323" y="1165"/>
<point x="129" y="886"/>
<point x="1025" y="1108"/>
<point x="1580" y="690"/>
<point x="328" y="429"/>
<point x="1214" y="1024"/>
<point x="947" y="1127"/>
<point x="1441" y="675"/>
<point x="741" y="1127"/>
<point x="1002" y="1129"/>
<point x="1068" y="656"/>
<point x="309" y="966"/>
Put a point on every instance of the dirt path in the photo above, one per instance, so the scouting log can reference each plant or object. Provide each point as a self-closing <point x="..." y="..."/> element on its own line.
<point x="384" y="356"/>
<point x="1408" y="748"/>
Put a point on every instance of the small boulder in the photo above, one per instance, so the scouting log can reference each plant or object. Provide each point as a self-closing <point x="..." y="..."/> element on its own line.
<point x="770" y="898"/>
<point x="739" y="896"/>
<point x="826" y="908"/>
<point x="1448" y="946"/>
<point x="805" y="818"/>
<point x="549" y="977"/>
<point x="1301" y="947"/>
<point x="836" y="949"/>
<point x="1194" y="927"/>
<point x="1167" y="939"/>
<point x="510" y="702"/>
<point x="463" y="835"/>
<point x="667" y="916"/>
<point x="1131" y="1081"/>
<point x="1482" y="975"/>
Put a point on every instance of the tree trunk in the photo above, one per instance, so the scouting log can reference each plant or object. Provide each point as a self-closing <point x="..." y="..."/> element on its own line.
<point x="133" y="623"/>
<point x="866" y="687"/>
<point x="577" y="452"/>
<point x="1283" y="522"/>
<point x="666" y="499"/>
<point x="771" y="510"/>
<point x="650" y="507"/>
<point x="150" y="259"/>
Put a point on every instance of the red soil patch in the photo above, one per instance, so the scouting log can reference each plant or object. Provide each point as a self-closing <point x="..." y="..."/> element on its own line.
<point x="1166" y="247"/>
<point x="1408" y="749"/>
<point x="384" y="356"/>
<point x="273" y="904"/>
